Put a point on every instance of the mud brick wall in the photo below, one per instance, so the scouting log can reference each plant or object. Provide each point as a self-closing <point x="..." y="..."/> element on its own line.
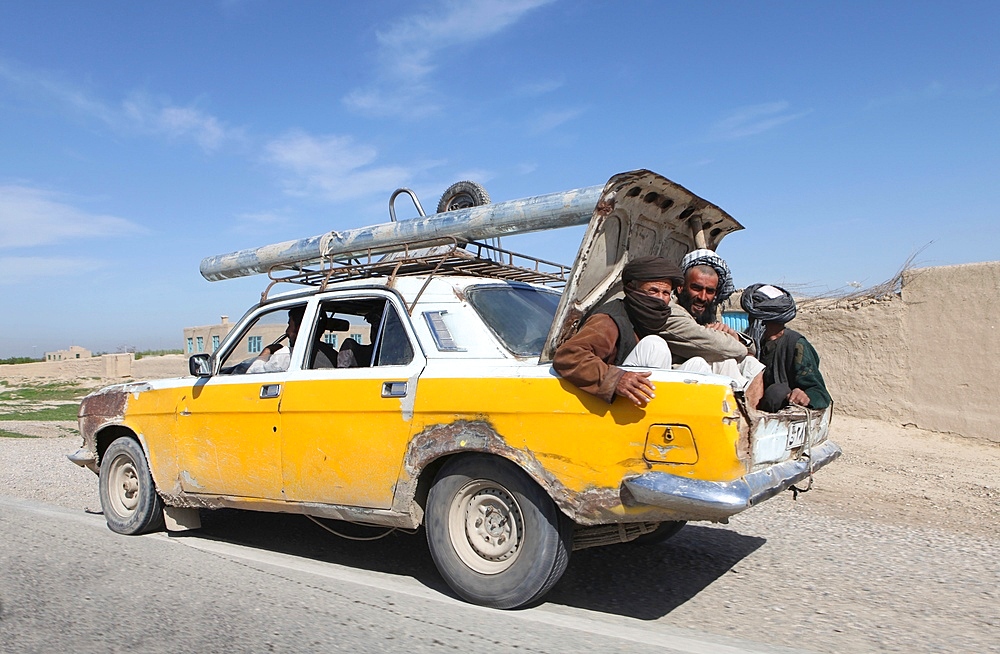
<point x="929" y="356"/>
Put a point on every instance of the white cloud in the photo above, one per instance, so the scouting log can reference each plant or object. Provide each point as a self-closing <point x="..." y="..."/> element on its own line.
<point x="137" y="113"/>
<point x="177" y="122"/>
<point x="410" y="48"/>
<point x="31" y="217"/>
<point x="755" y="119"/>
<point x="540" y="87"/>
<point x="552" y="119"/>
<point x="332" y="167"/>
<point x="21" y="270"/>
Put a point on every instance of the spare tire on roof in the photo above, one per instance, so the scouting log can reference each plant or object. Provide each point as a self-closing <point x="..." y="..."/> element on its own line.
<point x="462" y="195"/>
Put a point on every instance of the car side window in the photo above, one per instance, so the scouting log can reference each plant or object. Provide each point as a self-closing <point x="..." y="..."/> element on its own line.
<point x="266" y="329"/>
<point x="394" y="347"/>
<point x="358" y="333"/>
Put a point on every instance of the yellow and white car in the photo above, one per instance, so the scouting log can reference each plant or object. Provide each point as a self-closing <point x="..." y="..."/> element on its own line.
<point x="453" y="418"/>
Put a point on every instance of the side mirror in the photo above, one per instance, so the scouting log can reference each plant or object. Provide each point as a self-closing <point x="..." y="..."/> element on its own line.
<point x="200" y="365"/>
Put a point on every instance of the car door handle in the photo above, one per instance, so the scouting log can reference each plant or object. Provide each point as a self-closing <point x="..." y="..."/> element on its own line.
<point x="394" y="389"/>
<point x="269" y="391"/>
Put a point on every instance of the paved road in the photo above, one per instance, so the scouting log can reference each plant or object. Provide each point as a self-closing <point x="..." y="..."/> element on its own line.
<point x="273" y="583"/>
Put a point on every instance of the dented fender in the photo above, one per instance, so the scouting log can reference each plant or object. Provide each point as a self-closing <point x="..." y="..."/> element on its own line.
<point x="590" y="507"/>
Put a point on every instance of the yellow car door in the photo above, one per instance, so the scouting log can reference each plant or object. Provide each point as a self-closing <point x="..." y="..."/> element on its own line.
<point x="345" y="429"/>
<point x="228" y="431"/>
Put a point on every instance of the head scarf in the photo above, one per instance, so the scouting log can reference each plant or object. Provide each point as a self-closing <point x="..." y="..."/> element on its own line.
<point x="648" y="269"/>
<point x="709" y="258"/>
<point x="648" y="314"/>
<point x="766" y="303"/>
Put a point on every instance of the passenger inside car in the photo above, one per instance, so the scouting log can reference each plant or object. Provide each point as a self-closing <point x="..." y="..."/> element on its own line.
<point x="324" y="352"/>
<point x="357" y="355"/>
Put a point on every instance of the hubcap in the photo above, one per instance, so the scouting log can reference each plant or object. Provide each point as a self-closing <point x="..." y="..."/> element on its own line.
<point x="486" y="526"/>
<point x="123" y="486"/>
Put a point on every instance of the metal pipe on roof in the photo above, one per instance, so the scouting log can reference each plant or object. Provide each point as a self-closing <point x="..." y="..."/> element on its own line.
<point x="563" y="209"/>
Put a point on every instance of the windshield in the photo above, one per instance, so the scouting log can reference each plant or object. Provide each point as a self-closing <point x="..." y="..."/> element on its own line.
<point x="520" y="316"/>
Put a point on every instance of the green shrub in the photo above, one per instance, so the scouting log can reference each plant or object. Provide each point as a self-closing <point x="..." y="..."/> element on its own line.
<point x="16" y="360"/>
<point x="13" y="434"/>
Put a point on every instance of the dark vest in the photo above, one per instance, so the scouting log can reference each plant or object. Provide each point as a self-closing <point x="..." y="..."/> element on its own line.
<point x="780" y="359"/>
<point x="626" y="331"/>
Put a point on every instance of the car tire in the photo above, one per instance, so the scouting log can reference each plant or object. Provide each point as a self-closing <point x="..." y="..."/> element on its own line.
<point x="128" y="496"/>
<point x="462" y="195"/>
<point x="664" y="531"/>
<point x="495" y="536"/>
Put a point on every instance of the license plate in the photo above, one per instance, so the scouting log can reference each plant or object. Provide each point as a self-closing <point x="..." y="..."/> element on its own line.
<point x="796" y="435"/>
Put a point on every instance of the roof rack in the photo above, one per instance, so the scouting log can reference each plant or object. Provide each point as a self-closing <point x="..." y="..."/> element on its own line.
<point x="431" y="259"/>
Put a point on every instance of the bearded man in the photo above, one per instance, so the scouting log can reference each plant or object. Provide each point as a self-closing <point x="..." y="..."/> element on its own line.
<point x="700" y="343"/>
<point x="623" y="333"/>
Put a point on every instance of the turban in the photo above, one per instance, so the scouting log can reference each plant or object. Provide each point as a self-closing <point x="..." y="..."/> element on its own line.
<point x="648" y="314"/>
<point x="648" y="269"/>
<point x="709" y="258"/>
<point x="766" y="303"/>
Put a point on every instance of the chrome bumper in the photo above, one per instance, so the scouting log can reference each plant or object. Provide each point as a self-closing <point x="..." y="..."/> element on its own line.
<point x="85" y="459"/>
<point x="710" y="500"/>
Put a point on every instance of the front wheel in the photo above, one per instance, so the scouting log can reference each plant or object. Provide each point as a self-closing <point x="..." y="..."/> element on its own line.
<point x="128" y="496"/>
<point x="495" y="536"/>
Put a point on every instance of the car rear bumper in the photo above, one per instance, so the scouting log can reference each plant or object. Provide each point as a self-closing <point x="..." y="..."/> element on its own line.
<point x="710" y="500"/>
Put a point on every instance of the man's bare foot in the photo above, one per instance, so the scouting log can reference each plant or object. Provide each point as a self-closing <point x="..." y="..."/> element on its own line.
<point x="755" y="391"/>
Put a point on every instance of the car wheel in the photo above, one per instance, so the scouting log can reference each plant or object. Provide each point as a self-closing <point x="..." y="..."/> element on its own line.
<point x="496" y="537"/>
<point x="128" y="497"/>
<point x="664" y="531"/>
<point x="462" y="195"/>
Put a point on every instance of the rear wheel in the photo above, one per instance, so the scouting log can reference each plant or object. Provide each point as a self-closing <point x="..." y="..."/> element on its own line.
<point x="128" y="497"/>
<point x="495" y="536"/>
<point x="462" y="195"/>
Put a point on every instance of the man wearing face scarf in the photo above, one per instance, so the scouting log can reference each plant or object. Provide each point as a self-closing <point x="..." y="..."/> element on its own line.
<point x="792" y="365"/>
<point x="622" y="333"/>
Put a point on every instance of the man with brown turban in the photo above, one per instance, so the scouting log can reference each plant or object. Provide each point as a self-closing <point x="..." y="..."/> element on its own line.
<point x="622" y="333"/>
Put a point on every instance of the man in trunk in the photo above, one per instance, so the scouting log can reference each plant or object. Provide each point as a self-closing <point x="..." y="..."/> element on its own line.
<point x="621" y="333"/>
<point x="792" y="373"/>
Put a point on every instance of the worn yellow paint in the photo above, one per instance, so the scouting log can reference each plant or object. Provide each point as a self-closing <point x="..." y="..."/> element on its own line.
<point x="670" y="444"/>
<point x="227" y="440"/>
<point x="342" y="442"/>
<point x="339" y="441"/>
<point x="581" y="440"/>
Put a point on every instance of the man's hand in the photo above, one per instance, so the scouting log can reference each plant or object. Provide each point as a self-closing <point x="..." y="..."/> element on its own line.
<point x="724" y="328"/>
<point x="798" y="396"/>
<point x="266" y="353"/>
<point x="636" y="387"/>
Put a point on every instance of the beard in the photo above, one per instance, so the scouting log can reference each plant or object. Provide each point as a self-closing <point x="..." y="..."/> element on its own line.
<point x="706" y="317"/>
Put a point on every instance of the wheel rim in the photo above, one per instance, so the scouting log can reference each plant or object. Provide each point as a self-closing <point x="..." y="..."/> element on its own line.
<point x="461" y="201"/>
<point x="123" y="486"/>
<point x="486" y="527"/>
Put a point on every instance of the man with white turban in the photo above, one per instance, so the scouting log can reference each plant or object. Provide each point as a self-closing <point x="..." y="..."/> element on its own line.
<point x="697" y="341"/>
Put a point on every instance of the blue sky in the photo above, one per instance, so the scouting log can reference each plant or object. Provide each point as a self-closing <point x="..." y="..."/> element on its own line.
<point x="138" y="138"/>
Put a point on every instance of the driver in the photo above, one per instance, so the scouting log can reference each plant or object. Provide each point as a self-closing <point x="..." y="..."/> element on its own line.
<point x="275" y="357"/>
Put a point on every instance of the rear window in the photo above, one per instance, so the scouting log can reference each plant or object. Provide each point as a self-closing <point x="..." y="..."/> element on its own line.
<point x="520" y="316"/>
